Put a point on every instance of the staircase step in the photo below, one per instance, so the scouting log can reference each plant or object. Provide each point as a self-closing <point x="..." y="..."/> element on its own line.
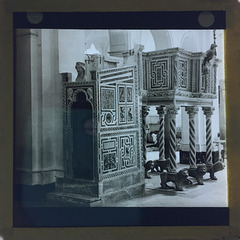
<point x="72" y="198"/>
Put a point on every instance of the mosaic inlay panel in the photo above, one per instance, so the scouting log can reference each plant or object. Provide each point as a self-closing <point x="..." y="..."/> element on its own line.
<point x="108" y="106"/>
<point x="109" y="154"/>
<point x="127" y="151"/>
<point x="108" y="98"/>
<point x="159" y="74"/>
<point x="118" y="153"/>
<point x="125" y="105"/>
<point x="183" y="73"/>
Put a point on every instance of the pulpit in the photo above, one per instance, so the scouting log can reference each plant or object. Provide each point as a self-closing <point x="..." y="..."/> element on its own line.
<point x="102" y="139"/>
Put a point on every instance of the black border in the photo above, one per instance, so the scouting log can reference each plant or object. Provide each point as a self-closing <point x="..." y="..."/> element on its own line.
<point x="120" y="20"/>
<point x="102" y="217"/>
<point x="124" y="216"/>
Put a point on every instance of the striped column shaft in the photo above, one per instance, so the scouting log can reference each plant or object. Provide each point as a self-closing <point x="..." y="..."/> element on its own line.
<point x="172" y="142"/>
<point x="192" y="138"/>
<point x="145" y="110"/>
<point x="161" y="112"/>
<point x="208" y="142"/>
<point x="172" y="137"/>
<point x="208" y="111"/>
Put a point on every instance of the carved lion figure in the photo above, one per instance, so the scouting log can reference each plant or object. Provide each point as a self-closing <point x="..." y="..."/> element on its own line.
<point x="159" y="166"/>
<point x="177" y="178"/>
<point x="148" y="166"/>
<point x="198" y="173"/>
<point x="217" y="166"/>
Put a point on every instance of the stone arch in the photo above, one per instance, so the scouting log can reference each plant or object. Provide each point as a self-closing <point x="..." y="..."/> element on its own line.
<point x="162" y="39"/>
<point x="188" y="42"/>
<point x="82" y="135"/>
<point x="123" y="40"/>
<point x="100" y="39"/>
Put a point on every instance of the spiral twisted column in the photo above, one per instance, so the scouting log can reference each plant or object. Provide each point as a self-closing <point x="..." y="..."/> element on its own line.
<point x="208" y="112"/>
<point x="145" y="110"/>
<point x="172" y="111"/>
<point x="161" y="141"/>
<point x="192" y="111"/>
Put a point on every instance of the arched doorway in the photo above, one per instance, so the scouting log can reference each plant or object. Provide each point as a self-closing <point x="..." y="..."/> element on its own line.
<point x="82" y="133"/>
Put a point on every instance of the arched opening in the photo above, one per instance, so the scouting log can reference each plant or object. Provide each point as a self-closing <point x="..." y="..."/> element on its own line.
<point x="188" y="43"/>
<point x="162" y="39"/>
<point x="82" y="133"/>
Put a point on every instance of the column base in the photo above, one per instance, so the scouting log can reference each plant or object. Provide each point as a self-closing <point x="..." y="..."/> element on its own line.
<point x="200" y="156"/>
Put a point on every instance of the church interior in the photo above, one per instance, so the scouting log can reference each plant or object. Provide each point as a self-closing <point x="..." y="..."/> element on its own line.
<point x="120" y="118"/>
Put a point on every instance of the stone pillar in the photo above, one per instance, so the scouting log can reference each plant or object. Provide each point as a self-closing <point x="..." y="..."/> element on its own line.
<point x="119" y="42"/>
<point x="172" y="112"/>
<point x="208" y="112"/>
<point x="161" y="141"/>
<point x="192" y="138"/>
<point x="145" y="110"/>
<point x="28" y="108"/>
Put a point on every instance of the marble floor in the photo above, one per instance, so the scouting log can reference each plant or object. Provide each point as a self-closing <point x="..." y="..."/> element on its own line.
<point x="212" y="194"/>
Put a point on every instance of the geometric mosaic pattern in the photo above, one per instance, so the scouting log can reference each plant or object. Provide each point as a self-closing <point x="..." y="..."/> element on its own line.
<point x="120" y="95"/>
<point x="183" y="76"/>
<point x="118" y="153"/>
<point x="159" y="74"/>
<point x="119" y="138"/>
<point x="127" y="151"/>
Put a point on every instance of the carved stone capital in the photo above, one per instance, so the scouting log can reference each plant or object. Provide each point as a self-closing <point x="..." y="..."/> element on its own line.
<point x="161" y="111"/>
<point x="191" y="111"/>
<point x="172" y="111"/>
<point x="145" y="111"/>
<point x="208" y="111"/>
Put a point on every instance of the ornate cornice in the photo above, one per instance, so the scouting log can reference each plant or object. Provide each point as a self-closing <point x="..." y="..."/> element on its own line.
<point x="171" y="51"/>
<point x="116" y="70"/>
<point x="171" y="93"/>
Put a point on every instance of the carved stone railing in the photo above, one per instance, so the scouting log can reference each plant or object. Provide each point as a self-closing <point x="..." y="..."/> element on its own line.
<point x="177" y="75"/>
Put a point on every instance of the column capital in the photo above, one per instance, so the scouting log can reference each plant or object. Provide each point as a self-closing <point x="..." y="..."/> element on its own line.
<point x="172" y="110"/>
<point x="191" y="111"/>
<point x="208" y="111"/>
<point x="161" y="111"/>
<point x="145" y="110"/>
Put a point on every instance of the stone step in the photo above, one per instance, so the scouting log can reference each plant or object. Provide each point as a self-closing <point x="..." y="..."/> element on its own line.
<point x="77" y="186"/>
<point x="72" y="198"/>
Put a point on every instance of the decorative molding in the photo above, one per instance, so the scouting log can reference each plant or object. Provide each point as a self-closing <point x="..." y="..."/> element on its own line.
<point x="177" y="92"/>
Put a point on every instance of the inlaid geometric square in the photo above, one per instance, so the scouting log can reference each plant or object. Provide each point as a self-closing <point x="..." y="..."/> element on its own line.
<point x="159" y="78"/>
